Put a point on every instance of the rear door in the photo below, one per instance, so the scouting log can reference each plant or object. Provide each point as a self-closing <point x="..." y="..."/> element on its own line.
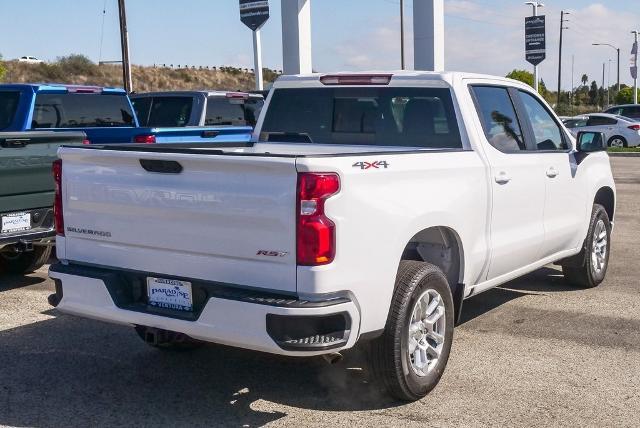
<point x="565" y="193"/>
<point x="221" y="218"/>
<point x="517" y="188"/>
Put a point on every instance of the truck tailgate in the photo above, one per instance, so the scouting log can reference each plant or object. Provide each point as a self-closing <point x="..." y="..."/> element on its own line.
<point x="222" y="218"/>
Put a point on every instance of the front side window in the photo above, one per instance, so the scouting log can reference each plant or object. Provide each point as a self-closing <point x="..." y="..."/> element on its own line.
<point x="632" y="111"/>
<point x="575" y="123"/>
<point x="378" y="116"/>
<point x="71" y="110"/>
<point x="546" y="130"/>
<point x="499" y="119"/>
<point x="8" y="107"/>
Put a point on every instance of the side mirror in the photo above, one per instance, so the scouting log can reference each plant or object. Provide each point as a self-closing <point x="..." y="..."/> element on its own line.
<point x="589" y="142"/>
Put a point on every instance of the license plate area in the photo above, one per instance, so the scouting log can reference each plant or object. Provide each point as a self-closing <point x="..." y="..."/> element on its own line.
<point x="16" y="222"/>
<point x="170" y="294"/>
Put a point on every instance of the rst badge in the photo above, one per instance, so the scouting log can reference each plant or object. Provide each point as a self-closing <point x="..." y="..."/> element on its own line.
<point x="371" y="165"/>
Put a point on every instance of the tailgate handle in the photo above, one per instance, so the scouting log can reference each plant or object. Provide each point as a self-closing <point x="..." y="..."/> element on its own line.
<point x="161" y="166"/>
<point x="210" y="134"/>
<point x="9" y="143"/>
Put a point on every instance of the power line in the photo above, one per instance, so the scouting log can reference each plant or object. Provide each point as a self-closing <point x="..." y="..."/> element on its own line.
<point x="104" y="12"/>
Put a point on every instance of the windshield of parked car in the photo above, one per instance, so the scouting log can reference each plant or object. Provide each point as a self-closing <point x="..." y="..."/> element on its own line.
<point x="380" y="116"/>
<point x="223" y="111"/>
<point x="71" y="110"/>
<point x="8" y="107"/>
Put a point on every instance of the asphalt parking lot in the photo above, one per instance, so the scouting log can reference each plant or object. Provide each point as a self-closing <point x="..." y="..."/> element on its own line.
<point x="533" y="352"/>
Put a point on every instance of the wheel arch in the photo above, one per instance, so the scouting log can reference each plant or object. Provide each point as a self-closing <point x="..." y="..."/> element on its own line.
<point x="606" y="197"/>
<point x="441" y="246"/>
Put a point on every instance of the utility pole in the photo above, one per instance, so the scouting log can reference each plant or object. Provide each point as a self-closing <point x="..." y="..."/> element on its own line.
<point x="562" y="28"/>
<point x="535" y="5"/>
<point x="124" y="42"/>
<point x="571" y="100"/>
<point x="402" y="34"/>
<point x="635" y="67"/>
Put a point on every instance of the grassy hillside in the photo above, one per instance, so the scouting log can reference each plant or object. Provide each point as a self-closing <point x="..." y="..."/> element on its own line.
<point x="78" y="69"/>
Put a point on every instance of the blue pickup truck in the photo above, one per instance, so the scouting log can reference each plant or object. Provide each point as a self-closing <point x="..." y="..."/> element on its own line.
<point x="104" y="114"/>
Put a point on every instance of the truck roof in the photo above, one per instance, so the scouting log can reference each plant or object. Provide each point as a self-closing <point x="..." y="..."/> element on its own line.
<point x="209" y="93"/>
<point x="407" y="75"/>
<point x="61" y="87"/>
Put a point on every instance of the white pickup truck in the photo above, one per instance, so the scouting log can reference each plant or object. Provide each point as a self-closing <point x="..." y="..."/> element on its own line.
<point x="366" y="209"/>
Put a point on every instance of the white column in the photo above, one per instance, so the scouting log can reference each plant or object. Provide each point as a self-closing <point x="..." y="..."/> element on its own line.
<point x="296" y="36"/>
<point x="428" y="34"/>
<point x="257" y="60"/>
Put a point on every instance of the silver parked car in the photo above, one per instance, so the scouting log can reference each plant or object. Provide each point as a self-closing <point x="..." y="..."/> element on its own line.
<point x="620" y="131"/>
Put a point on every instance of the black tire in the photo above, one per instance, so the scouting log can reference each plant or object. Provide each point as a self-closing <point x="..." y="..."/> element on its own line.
<point x="170" y="341"/>
<point x="618" y="137"/>
<point x="588" y="275"/>
<point x="389" y="356"/>
<point x="26" y="262"/>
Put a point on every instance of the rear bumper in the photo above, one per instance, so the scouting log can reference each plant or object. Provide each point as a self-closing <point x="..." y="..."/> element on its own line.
<point x="42" y="229"/>
<point x="228" y="315"/>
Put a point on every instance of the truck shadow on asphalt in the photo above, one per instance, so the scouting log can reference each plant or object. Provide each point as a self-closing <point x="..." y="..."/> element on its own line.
<point x="11" y="282"/>
<point x="77" y="372"/>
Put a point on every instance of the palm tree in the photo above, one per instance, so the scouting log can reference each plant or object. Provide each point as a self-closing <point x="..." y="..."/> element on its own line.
<point x="585" y="79"/>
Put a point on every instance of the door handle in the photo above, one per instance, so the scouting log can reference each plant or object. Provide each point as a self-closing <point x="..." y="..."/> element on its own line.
<point x="502" y="178"/>
<point x="552" y="172"/>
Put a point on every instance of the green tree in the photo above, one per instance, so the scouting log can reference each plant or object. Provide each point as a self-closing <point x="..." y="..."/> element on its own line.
<point x="526" y="77"/>
<point x="593" y="93"/>
<point x="625" y="96"/>
<point x="584" y="79"/>
<point x="3" y="69"/>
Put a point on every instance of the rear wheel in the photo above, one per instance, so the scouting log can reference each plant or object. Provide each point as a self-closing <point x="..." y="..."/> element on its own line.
<point x="595" y="252"/>
<point x="411" y="355"/>
<point x="168" y="340"/>
<point x="25" y="262"/>
<point x="618" y="141"/>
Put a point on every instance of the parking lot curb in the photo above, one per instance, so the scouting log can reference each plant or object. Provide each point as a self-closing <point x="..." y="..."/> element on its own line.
<point x="624" y="154"/>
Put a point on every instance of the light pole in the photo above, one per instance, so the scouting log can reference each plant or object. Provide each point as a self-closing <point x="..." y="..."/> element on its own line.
<point x="618" y="51"/>
<point x="402" y="34"/>
<point x="535" y="5"/>
<point x="635" y="67"/>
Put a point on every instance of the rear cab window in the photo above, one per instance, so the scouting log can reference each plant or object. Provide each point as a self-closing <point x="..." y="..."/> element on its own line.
<point x="73" y="110"/>
<point x="8" y="107"/>
<point x="377" y="116"/>
<point x="163" y="111"/>
<point x="232" y="111"/>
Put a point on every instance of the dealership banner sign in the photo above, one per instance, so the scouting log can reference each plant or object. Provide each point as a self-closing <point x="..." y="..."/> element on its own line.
<point x="535" y="39"/>
<point x="253" y="13"/>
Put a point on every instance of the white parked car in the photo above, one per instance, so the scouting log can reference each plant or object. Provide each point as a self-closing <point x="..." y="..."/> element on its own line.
<point x="619" y="131"/>
<point x="30" y="59"/>
<point x="368" y="207"/>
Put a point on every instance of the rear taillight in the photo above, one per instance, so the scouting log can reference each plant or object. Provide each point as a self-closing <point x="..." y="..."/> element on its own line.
<point x="86" y="142"/>
<point x="57" y="201"/>
<point x="316" y="233"/>
<point x="635" y="127"/>
<point x="238" y="95"/>
<point x="144" y="139"/>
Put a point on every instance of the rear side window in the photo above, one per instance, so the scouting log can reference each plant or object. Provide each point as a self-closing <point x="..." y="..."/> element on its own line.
<point x="633" y="112"/>
<point x="142" y="106"/>
<point x="601" y="120"/>
<point x="8" y="107"/>
<point x="81" y="111"/>
<point x="499" y="119"/>
<point x="381" y="116"/>
<point x="223" y="111"/>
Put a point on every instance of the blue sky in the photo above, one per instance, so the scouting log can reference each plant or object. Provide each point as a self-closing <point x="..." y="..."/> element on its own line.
<point x="481" y="35"/>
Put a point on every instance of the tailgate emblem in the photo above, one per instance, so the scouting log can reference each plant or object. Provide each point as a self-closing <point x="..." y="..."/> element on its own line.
<point x="271" y="253"/>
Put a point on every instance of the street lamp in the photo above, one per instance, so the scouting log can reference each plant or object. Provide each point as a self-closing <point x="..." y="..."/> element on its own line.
<point x="535" y="5"/>
<point x="618" y="51"/>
